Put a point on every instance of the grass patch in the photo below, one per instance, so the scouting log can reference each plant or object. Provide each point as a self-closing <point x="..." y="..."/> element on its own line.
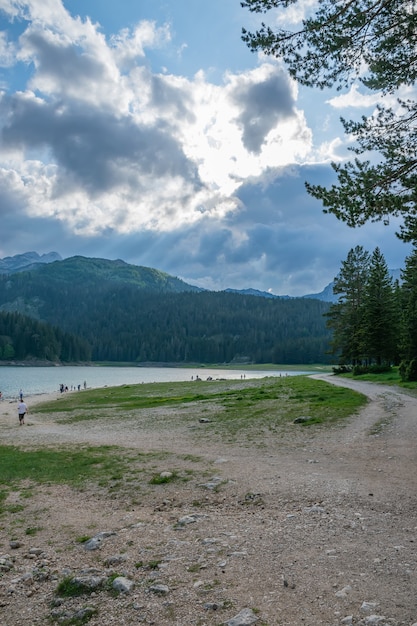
<point x="165" y="477"/>
<point x="71" y="587"/>
<point x="385" y="378"/>
<point x="59" y="466"/>
<point x="32" y="531"/>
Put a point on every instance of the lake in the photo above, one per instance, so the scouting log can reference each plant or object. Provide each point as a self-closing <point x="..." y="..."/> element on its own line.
<point x="38" y="380"/>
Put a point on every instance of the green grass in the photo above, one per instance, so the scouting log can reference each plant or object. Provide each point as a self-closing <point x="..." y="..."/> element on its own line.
<point x="386" y="378"/>
<point x="249" y="398"/>
<point x="57" y="466"/>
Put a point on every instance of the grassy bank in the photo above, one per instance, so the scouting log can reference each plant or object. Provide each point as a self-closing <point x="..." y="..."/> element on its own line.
<point x="249" y="401"/>
<point x="385" y="378"/>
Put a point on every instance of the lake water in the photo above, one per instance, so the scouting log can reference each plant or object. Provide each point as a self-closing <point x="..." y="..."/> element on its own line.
<point x="38" y="380"/>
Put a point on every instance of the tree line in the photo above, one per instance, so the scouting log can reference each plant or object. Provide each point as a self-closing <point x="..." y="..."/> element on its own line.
<point x="374" y="321"/>
<point x="22" y="338"/>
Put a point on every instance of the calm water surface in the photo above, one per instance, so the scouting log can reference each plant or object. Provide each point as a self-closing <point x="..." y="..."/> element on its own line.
<point x="37" y="380"/>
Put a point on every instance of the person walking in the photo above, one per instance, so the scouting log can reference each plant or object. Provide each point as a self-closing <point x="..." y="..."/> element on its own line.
<point x="22" y="409"/>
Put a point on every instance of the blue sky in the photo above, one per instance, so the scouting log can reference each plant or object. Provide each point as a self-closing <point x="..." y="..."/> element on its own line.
<point x="147" y="131"/>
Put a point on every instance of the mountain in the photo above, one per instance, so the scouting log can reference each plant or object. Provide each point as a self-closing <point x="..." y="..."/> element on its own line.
<point x="26" y="261"/>
<point x="127" y="313"/>
<point x="255" y="292"/>
<point x="327" y="294"/>
<point x="90" y="270"/>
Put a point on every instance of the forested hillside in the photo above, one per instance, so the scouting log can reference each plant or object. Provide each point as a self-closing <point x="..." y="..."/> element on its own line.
<point x="24" y="338"/>
<point x="129" y="315"/>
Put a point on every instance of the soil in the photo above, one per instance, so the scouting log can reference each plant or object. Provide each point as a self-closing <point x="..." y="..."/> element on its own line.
<point x="317" y="527"/>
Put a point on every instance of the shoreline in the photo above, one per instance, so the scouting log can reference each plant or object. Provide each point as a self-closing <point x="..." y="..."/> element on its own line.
<point x="8" y="404"/>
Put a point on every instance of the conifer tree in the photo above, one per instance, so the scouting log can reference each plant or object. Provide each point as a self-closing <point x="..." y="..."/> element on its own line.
<point x="346" y="317"/>
<point x="380" y="321"/>
<point x="408" y="367"/>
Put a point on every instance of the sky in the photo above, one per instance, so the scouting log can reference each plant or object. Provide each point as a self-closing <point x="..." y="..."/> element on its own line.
<point x="147" y="131"/>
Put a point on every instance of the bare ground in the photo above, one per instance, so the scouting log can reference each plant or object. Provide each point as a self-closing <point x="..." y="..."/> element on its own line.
<point x="315" y="528"/>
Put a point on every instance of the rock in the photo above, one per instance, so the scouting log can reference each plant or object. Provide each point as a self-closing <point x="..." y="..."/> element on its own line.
<point x="123" y="584"/>
<point x="6" y="563"/>
<point x="88" y="582"/>
<point x="343" y="593"/>
<point x="246" y="617"/>
<point x="159" y="589"/>
<point x="115" y="560"/>
<point x="213" y="606"/>
<point x="302" y="419"/>
<point x="95" y="542"/>
<point x="314" y="509"/>
<point x="213" y="483"/>
<point x="368" y="607"/>
<point x="190" y="519"/>
<point x="83" y="615"/>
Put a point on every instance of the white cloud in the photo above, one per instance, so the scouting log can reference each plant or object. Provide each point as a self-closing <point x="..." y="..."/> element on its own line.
<point x="353" y="98"/>
<point x="7" y="51"/>
<point x="106" y="144"/>
<point x="129" y="45"/>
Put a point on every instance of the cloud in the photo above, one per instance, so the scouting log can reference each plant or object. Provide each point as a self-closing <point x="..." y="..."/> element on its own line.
<point x="264" y="104"/>
<point x="353" y="98"/>
<point x="100" y="142"/>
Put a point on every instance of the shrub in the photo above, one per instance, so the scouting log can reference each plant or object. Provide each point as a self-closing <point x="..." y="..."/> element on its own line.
<point x="408" y="370"/>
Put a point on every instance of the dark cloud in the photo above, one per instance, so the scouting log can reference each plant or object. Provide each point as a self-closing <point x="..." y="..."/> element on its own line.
<point x="263" y="105"/>
<point x="99" y="150"/>
<point x="69" y="63"/>
<point x="170" y="99"/>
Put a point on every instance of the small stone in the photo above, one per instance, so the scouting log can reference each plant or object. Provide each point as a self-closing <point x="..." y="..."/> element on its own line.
<point x="343" y="593"/>
<point x="115" y="560"/>
<point x="123" y="584"/>
<point x="246" y="617"/>
<point x="213" y="606"/>
<point x="375" y="619"/>
<point x="368" y="607"/>
<point x="159" y="589"/>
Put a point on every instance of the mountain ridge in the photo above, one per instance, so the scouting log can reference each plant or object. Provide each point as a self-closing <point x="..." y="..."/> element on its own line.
<point x="29" y="261"/>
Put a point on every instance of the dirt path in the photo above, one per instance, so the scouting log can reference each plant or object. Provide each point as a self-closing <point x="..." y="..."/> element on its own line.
<point x="319" y="529"/>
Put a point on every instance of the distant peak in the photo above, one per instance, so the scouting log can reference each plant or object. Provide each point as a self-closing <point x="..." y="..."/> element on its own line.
<point x="26" y="260"/>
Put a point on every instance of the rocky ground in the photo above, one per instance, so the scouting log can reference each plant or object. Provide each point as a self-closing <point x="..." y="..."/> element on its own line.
<point x="315" y="528"/>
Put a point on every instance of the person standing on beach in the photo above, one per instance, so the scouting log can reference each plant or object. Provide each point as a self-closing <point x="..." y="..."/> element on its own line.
<point x="22" y="409"/>
<point x="21" y="395"/>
